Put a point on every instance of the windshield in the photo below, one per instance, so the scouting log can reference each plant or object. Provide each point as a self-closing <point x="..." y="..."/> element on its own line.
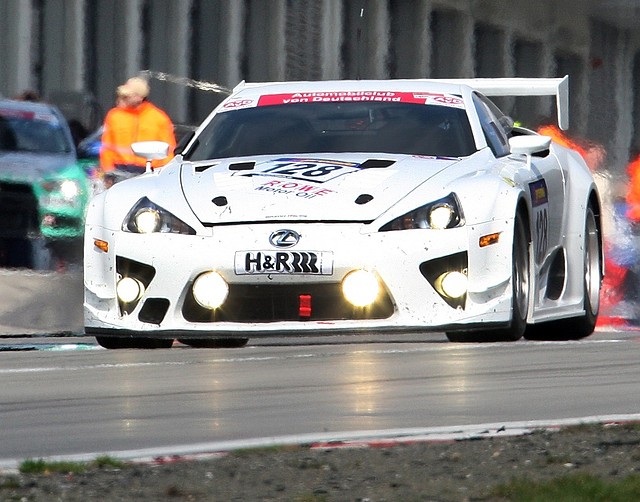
<point x="24" y="131"/>
<point x="369" y="127"/>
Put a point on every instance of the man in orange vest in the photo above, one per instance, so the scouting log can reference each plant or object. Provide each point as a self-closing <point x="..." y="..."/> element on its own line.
<point x="134" y="118"/>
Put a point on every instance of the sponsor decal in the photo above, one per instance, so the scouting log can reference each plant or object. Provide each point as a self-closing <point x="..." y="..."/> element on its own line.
<point x="349" y="96"/>
<point x="302" y="190"/>
<point x="431" y="98"/>
<point x="284" y="262"/>
<point x="16" y="113"/>
<point x="28" y="115"/>
<point x="538" y="190"/>
<point x="301" y="175"/>
<point x="236" y="104"/>
<point x="540" y="203"/>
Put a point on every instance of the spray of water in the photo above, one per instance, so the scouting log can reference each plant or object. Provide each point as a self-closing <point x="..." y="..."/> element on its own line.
<point x="184" y="81"/>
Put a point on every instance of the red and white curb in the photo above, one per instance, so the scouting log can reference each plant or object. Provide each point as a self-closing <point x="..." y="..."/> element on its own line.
<point x="329" y="440"/>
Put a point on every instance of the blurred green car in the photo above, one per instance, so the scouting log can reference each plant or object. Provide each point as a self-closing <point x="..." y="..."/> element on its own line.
<point x="44" y="190"/>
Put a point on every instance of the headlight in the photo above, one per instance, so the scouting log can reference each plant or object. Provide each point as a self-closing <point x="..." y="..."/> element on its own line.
<point x="440" y="214"/>
<point x="147" y="217"/>
<point x="61" y="193"/>
<point x="69" y="189"/>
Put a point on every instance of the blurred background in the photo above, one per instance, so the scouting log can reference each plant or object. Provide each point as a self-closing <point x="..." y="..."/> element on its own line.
<point x="74" y="53"/>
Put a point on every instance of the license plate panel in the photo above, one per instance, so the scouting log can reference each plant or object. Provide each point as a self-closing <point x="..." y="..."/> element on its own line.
<point x="283" y="262"/>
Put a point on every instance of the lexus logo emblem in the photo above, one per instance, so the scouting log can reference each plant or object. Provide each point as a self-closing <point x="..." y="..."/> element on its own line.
<point x="284" y="238"/>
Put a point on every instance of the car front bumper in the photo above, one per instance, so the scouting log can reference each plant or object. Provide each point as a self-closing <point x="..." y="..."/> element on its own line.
<point x="267" y="301"/>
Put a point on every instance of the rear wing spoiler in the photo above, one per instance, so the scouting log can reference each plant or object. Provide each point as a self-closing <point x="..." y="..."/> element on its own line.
<point x="558" y="87"/>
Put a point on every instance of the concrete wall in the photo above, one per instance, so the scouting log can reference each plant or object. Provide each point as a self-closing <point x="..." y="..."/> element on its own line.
<point x="184" y="45"/>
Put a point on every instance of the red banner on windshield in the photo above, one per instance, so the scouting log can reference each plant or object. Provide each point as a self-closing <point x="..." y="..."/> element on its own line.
<point x="355" y="96"/>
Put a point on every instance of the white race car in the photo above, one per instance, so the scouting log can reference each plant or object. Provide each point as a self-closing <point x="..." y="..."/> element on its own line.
<point x="317" y="208"/>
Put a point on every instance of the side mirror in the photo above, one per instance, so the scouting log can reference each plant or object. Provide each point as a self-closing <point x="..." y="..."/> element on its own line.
<point x="151" y="150"/>
<point x="529" y="144"/>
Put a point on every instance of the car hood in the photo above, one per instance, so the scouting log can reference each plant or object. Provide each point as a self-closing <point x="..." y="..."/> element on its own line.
<point x="31" y="167"/>
<point x="314" y="187"/>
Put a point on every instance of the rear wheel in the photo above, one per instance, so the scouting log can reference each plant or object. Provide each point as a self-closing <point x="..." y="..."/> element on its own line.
<point x="112" y="342"/>
<point x="215" y="343"/>
<point x="576" y="328"/>
<point x="520" y="294"/>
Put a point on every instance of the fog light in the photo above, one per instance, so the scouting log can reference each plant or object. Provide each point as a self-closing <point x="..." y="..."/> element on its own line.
<point x="129" y="289"/>
<point x="360" y="288"/>
<point x="210" y="290"/>
<point x="452" y="284"/>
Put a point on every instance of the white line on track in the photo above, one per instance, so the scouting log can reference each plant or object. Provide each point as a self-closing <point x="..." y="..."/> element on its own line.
<point x="347" y="439"/>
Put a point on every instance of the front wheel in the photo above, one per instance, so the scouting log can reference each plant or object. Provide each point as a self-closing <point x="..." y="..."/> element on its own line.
<point x="520" y="288"/>
<point x="576" y="328"/>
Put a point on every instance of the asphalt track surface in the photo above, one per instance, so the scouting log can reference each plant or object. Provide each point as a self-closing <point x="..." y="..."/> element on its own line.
<point x="62" y="396"/>
<point x="40" y="302"/>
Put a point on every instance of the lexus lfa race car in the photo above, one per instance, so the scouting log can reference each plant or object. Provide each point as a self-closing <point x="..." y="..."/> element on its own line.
<point x="369" y="206"/>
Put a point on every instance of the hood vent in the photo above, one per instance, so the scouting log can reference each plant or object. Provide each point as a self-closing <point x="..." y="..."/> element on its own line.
<point x="242" y="166"/>
<point x="203" y="168"/>
<point x="364" y="198"/>
<point x="376" y="163"/>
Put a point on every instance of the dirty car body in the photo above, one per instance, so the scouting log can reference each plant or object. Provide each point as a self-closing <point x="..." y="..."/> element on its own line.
<point x="311" y="208"/>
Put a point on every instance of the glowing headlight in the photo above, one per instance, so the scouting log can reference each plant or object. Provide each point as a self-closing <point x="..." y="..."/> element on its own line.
<point x="440" y="214"/>
<point x="60" y="193"/>
<point x="147" y="221"/>
<point x="70" y="189"/>
<point x="210" y="290"/>
<point x="453" y="284"/>
<point x="360" y="288"/>
<point x="146" y="217"/>
<point x="129" y="289"/>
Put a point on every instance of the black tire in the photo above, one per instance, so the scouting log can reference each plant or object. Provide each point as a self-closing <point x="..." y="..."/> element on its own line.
<point x="520" y="294"/>
<point x="215" y="343"/>
<point x="112" y="342"/>
<point x="576" y="328"/>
